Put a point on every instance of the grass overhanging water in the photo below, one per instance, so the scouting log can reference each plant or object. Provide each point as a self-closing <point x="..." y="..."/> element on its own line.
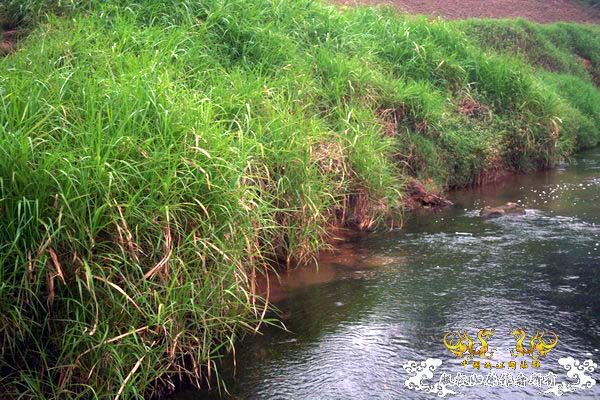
<point x="156" y="156"/>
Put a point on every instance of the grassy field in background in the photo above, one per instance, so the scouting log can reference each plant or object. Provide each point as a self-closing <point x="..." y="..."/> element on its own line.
<point x="155" y="156"/>
<point x="593" y="3"/>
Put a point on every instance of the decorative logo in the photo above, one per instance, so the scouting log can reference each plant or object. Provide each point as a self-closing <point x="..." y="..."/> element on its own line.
<point x="538" y="347"/>
<point x="463" y="346"/>
<point x="423" y="371"/>
<point x="460" y="344"/>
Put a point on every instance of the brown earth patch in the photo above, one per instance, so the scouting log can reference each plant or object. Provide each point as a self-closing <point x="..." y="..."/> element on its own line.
<point x="543" y="11"/>
<point x="391" y="118"/>
<point x="472" y="108"/>
<point x="419" y="197"/>
<point x="587" y="64"/>
<point x="8" y="41"/>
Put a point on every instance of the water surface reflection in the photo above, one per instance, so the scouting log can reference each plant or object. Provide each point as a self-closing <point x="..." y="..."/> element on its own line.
<point x="351" y="329"/>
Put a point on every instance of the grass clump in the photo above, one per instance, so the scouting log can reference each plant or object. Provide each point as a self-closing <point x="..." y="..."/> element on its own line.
<point x="562" y="47"/>
<point x="24" y="13"/>
<point x="156" y="156"/>
<point x="592" y="3"/>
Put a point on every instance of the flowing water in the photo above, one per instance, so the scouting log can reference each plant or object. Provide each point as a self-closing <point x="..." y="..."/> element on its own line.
<point x="389" y="297"/>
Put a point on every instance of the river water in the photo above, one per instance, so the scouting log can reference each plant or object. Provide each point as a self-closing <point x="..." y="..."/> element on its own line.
<point x="389" y="298"/>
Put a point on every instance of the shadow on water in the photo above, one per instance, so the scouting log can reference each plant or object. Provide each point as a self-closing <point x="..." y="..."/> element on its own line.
<point x="391" y="296"/>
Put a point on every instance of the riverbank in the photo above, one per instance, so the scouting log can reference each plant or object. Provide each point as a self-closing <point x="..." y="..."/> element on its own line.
<point x="156" y="158"/>
<point x="391" y="296"/>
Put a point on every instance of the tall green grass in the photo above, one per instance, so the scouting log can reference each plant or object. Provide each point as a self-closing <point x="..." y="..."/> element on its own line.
<point x="561" y="47"/>
<point x="156" y="156"/>
<point x="593" y="3"/>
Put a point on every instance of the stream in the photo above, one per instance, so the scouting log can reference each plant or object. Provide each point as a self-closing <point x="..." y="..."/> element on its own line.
<point x="390" y="297"/>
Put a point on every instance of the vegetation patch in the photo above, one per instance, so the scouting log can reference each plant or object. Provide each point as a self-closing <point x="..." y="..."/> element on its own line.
<point x="561" y="48"/>
<point x="156" y="157"/>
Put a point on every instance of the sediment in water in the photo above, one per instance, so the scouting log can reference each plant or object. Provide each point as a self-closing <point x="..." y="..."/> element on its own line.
<point x="157" y="158"/>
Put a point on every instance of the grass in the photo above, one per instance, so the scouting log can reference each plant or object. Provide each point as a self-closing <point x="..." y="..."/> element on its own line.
<point x="156" y="156"/>
<point x="592" y="3"/>
<point x="559" y="48"/>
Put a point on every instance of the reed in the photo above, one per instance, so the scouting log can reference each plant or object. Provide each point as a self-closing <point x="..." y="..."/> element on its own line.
<point x="155" y="156"/>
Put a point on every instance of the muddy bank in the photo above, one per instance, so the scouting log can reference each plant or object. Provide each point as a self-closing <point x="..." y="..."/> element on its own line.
<point x="342" y="261"/>
<point x="348" y="339"/>
<point x="8" y="41"/>
<point x="342" y="257"/>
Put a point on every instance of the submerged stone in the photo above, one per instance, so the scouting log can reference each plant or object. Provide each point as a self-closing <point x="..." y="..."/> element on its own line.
<point x="496" y="212"/>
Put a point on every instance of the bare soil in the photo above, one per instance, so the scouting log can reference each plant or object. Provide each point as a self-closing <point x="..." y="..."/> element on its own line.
<point x="7" y="41"/>
<point x="419" y="197"/>
<point x="543" y="11"/>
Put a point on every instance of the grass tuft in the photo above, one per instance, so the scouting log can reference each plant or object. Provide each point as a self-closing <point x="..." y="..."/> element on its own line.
<point x="155" y="157"/>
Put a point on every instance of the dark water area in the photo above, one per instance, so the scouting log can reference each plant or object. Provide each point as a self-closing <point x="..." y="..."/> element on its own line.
<point x="390" y="297"/>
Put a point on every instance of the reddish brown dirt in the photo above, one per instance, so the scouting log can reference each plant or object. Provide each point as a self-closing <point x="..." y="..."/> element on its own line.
<point x="7" y="41"/>
<point x="544" y="11"/>
<point x="418" y="197"/>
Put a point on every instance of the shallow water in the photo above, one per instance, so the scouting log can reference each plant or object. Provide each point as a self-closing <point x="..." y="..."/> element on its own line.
<point x="389" y="297"/>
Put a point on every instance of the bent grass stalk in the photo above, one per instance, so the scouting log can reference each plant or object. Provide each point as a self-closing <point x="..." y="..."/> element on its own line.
<point x="156" y="157"/>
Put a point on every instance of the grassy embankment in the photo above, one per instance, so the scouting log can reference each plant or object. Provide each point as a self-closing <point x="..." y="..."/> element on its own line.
<point x="592" y="3"/>
<point x="155" y="156"/>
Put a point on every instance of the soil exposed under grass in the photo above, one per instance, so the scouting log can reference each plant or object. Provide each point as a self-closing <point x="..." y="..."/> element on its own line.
<point x="7" y="41"/>
<point x="156" y="159"/>
<point x="543" y="11"/>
